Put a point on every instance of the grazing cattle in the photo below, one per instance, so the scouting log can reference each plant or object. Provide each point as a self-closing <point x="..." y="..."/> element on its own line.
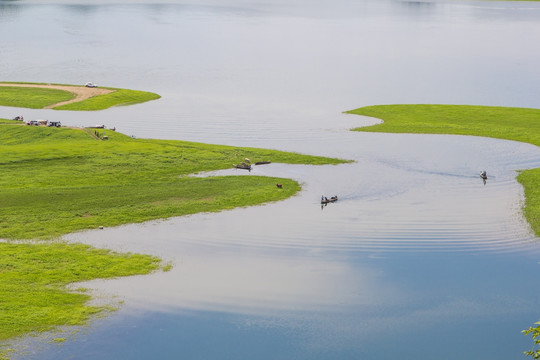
<point x="279" y="186"/>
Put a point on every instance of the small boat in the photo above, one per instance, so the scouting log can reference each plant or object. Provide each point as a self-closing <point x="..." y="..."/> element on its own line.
<point x="325" y="200"/>
<point x="262" y="162"/>
<point x="483" y="175"/>
<point x="243" y="166"/>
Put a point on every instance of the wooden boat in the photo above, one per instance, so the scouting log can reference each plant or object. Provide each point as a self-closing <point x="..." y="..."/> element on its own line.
<point x="325" y="200"/>
<point x="243" y="166"/>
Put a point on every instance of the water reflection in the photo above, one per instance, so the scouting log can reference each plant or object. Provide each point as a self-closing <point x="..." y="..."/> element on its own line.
<point x="417" y="248"/>
<point x="291" y="257"/>
<point x="8" y="12"/>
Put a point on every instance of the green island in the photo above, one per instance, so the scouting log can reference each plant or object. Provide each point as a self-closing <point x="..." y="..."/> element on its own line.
<point x="518" y="124"/>
<point x="56" y="181"/>
<point x="69" y="97"/>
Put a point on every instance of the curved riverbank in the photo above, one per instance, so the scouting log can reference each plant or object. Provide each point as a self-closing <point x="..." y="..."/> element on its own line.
<point x="99" y="177"/>
<point x="508" y="123"/>
<point x="61" y="180"/>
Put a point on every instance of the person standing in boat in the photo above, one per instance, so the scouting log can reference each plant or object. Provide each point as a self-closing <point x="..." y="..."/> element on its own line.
<point x="483" y="175"/>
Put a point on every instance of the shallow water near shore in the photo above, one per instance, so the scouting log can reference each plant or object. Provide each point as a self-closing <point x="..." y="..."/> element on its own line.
<point x="417" y="260"/>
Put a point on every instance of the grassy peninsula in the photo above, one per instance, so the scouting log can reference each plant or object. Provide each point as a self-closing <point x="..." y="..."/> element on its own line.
<point x="54" y="181"/>
<point x="34" y="277"/>
<point x="58" y="180"/>
<point x="33" y="98"/>
<point x="118" y="97"/>
<point x="519" y="124"/>
<point x="69" y="97"/>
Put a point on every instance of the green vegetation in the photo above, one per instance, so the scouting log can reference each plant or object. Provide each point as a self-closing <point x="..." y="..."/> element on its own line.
<point x="55" y="181"/>
<point x="10" y="122"/>
<point x="535" y="334"/>
<point x="121" y="180"/>
<point x="34" y="277"/>
<point x="59" y="180"/>
<point x="39" y="98"/>
<point x="33" y="98"/>
<point x="119" y="97"/>
<point x="519" y="124"/>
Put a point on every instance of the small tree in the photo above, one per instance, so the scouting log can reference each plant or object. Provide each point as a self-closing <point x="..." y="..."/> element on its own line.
<point x="535" y="331"/>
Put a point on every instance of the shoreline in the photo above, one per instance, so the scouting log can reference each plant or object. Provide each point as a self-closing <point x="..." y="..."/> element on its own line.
<point x="139" y="180"/>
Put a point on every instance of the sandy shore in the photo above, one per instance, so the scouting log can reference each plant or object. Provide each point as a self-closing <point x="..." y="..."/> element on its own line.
<point x="81" y="92"/>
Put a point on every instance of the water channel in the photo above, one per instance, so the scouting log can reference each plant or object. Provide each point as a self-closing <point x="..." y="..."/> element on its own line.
<point x="418" y="259"/>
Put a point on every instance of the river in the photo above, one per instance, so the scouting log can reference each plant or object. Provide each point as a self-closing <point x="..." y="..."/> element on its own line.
<point x="417" y="260"/>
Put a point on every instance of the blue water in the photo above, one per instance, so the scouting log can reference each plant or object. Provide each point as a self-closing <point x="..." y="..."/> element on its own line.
<point x="417" y="260"/>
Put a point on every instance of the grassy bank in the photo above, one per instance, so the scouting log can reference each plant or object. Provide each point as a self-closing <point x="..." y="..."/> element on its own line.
<point x="34" y="277"/>
<point x="94" y="182"/>
<point x="119" y="97"/>
<point x="54" y="181"/>
<point x="519" y="124"/>
<point x="40" y="98"/>
<point x="33" y="98"/>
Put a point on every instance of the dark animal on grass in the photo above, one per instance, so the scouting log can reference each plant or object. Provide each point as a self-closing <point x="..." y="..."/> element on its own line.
<point x="279" y="186"/>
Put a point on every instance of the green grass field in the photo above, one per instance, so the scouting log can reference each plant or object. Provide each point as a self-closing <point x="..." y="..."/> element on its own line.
<point x="519" y="124"/>
<point x="10" y="122"/>
<point x="34" y="276"/>
<point x="54" y="181"/>
<point x="120" y="180"/>
<point x="33" y="98"/>
<point x="120" y="97"/>
<point x="39" y="98"/>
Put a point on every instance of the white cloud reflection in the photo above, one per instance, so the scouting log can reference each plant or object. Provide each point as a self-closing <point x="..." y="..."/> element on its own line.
<point x="251" y="282"/>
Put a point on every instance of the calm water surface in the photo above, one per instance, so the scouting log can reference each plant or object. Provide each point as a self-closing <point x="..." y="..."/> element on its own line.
<point x="417" y="260"/>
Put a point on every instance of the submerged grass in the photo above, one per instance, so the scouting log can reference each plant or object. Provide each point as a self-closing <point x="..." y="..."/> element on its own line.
<point x="54" y="181"/>
<point x="519" y="124"/>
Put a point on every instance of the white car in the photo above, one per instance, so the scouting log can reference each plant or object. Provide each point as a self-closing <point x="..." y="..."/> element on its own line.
<point x="90" y="84"/>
